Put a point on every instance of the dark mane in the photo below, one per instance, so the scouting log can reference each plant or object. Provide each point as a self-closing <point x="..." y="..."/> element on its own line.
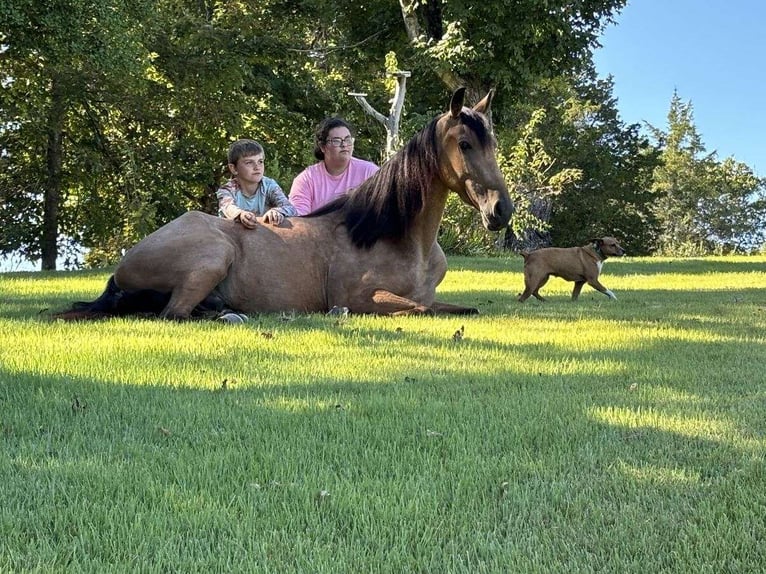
<point x="385" y="204"/>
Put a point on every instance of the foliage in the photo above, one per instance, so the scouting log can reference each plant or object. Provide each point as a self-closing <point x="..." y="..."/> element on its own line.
<point x="733" y="216"/>
<point x="63" y="60"/>
<point x="582" y="130"/>
<point x="461" y="231"/>
<point x="542" y="440"/>
<point x="510" y="45"/>
<point x="117" y="117"/>
<point x="703" y="205"/>
<point x="528" y="165"/>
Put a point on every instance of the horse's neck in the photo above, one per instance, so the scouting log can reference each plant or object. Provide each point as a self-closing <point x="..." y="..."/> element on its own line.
<point x="427" y="222"/>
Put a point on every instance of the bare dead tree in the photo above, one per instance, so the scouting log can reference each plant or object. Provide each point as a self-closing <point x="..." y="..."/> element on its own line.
<point x="390" y="122"/>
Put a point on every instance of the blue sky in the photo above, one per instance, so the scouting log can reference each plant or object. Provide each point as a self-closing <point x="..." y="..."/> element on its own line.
<point x="712" y="52"/>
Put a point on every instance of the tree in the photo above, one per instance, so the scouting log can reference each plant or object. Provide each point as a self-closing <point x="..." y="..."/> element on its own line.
<point x="612" y="197"/>
<point x="537" y="181"/>
<point x="679" y="182"/>
<point x="703" y="205"/>
<point x="505" y="44"/>
<point x="117" y="117"/>
<point x="59" y="60"/>
<point x="733" y="216"/>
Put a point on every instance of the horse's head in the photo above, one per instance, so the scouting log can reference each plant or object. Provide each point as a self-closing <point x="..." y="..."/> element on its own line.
<point x="466" y="141"/>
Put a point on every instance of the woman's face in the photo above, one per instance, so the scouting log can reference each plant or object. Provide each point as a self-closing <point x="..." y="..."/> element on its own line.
<point x="338" y="146"/>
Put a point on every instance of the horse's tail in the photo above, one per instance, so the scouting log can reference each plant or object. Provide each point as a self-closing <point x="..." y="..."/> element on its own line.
<point x="104" y="306"/>
<point x="114" y="302"/>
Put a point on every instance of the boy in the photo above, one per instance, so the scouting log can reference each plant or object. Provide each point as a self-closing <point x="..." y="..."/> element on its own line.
<point x="249" y="193"/>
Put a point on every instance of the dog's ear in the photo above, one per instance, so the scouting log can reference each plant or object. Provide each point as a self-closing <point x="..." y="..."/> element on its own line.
<point x="596" y="240"/>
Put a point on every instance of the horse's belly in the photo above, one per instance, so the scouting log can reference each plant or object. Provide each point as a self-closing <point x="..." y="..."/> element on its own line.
<point x="291" y="290"/>
<point x="279" y="270"/>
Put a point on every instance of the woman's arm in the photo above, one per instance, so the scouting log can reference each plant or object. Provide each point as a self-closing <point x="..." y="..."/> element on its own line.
<point x="301" y="193"/>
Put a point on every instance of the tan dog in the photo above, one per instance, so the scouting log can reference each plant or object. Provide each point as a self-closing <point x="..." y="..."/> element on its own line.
<point x="579" y="264"/>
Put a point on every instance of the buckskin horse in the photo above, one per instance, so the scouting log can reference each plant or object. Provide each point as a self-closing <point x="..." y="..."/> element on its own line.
<point x="373" y="250"/>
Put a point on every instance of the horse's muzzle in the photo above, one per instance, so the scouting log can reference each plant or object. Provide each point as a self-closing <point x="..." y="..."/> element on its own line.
<point x="495" y="215"/>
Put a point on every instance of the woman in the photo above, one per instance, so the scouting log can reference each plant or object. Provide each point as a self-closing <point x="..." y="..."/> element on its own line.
<point x="336" y="172"/>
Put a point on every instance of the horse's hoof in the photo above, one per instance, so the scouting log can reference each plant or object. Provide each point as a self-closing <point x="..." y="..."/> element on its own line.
<point x="338" y="312"/>
<point x="233" y="318"/>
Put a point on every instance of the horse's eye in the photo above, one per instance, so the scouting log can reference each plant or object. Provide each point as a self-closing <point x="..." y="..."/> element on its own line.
<point x="464" y="145"/>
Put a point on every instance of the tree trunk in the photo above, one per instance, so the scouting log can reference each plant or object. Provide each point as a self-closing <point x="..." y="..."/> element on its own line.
<point x="416" y="36"/>
<point x="391" y="123"/>
<point x="52" y="191"/>
<point x="530" y="239"/>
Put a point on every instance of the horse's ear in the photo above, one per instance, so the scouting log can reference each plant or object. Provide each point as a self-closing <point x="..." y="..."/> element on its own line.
<point x="483" y="106"/>
<point x="456" y="104"/>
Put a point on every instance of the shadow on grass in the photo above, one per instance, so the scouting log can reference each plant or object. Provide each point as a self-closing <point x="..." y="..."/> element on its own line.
<point x="432" y="442"/>
<point x="586" y="442"/>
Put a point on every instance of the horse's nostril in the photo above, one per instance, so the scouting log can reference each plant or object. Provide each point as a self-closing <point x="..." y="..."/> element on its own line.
<point x="503" y="209"/>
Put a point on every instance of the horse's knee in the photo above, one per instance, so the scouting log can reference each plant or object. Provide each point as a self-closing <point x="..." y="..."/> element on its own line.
<point x="182" y="303"/>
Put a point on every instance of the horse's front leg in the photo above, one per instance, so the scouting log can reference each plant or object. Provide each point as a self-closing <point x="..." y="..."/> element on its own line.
<point x="387" y="303"/>
<point x="437" y="269"/>
<point x="450" y="309"/>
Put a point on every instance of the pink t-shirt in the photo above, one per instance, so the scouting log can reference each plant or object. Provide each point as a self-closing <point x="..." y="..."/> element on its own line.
<point x="315" y="187"/>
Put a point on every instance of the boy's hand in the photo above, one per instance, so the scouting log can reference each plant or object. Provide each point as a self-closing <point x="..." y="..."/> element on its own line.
<point x="247" y="219"/>
<point x="273" y="216"/>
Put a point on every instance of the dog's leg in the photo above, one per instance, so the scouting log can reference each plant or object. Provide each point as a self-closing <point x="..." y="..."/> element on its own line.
<point x="525" y="295"/>
<point x="530" y="289"/>
<point x="527" y="288"/>
<point x="599" y="287"/>
<point x="540" y="284"/>
<point x="577" y="289"/>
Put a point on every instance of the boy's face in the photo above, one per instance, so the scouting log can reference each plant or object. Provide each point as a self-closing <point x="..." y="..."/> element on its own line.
<point x="249" y="169"/>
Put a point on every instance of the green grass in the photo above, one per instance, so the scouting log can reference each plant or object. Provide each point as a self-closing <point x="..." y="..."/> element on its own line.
<point x="593" y="436"/>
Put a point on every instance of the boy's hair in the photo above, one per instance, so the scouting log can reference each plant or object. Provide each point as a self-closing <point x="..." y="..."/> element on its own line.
<point x="244" y="148"/>
<point x="323" y="129"/>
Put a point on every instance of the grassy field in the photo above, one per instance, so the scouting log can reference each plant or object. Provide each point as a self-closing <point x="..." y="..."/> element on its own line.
<point x="594" y="436"/>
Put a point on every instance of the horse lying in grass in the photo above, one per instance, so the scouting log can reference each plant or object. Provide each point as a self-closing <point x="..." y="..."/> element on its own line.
<point x="372" y="251"/>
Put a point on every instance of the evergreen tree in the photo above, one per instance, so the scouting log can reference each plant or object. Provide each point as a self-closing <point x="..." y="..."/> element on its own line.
<point x="703" y="205"/>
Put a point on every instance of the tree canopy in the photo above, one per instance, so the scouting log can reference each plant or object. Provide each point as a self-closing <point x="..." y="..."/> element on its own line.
<point x="703" y="205"/>
<point x="115" y="117"/>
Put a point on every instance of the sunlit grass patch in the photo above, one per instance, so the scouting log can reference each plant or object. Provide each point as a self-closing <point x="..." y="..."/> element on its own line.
<point x="697" y="425"/>
<point x="597" y="435"/>
<point x="656" y="475"/>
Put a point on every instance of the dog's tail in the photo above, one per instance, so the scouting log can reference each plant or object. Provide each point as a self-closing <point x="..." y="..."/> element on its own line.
<point x="524" y="254"/>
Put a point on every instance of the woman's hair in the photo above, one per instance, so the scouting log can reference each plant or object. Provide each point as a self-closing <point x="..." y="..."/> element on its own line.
<point x="323" y="129"/>
<point x="243" y="148"/>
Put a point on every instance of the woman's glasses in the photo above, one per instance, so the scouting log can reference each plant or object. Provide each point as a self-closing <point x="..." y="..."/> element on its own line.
<point x="337" y="142"/>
